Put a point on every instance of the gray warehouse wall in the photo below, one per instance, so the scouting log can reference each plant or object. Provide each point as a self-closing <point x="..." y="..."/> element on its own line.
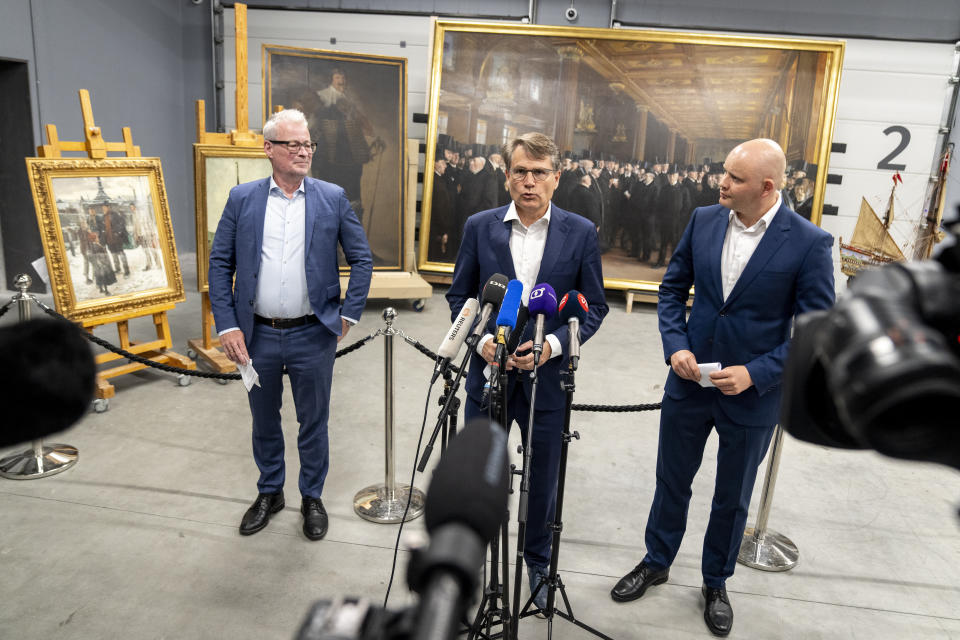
<point x="144" y="63"/>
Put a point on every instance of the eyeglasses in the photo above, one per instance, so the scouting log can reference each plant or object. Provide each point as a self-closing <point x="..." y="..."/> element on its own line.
<point x="518" y="174"/>
<point x="294" y="147"/>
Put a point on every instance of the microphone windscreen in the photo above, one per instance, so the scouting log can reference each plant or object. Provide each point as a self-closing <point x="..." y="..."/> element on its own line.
<point x="47" y="376"/>
<point x="507" y="317"/>
<point x="523" y="316"/>
<point x="543" y="301"/>
<point x="469" y="485"/>
<point x="494" y="290"/>
<point x="455" y="337"/>
<point x="573" y="305"/>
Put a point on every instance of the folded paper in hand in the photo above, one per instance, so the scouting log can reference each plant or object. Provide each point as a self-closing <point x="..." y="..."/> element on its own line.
<point x="705" y="370"/>
<point x="249" y="375"/>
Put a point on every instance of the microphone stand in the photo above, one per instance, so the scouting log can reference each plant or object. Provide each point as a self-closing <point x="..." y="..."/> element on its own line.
<point x="488" y="613"/>
<point x="522" y="508"/>
<point x="450" y="404"/>
<point x="553" y="582"/>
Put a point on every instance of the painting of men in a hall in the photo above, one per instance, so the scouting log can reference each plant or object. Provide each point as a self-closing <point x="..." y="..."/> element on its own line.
<point x="639" y="118"/>
<point x="356" y="110"/>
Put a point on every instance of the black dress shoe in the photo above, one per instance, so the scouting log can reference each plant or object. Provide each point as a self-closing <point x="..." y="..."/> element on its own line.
<point x="314" y="518"/>
<point x="634" y="584"/>
<point x="717" y="612"/>
<point x="258" y="515"/>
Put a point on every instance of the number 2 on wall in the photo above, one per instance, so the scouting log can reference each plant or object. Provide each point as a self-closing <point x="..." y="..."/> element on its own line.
<point x="904" y="141"/>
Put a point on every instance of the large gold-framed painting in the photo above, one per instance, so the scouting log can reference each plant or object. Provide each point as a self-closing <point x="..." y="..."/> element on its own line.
<point x="107" y="235"/>
<point x="643" y="120"/>
<point x="216" y="170"/>
<point x="356" y="107"/>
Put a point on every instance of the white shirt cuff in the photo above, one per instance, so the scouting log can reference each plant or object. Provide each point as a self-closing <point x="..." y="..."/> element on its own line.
<point x="220" y="333"/>
<point x="484" y="340"/>
<point x="555" y="348"/>
<point x="350" y="321"/>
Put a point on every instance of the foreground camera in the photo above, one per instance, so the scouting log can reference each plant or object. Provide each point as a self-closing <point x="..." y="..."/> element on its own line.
<point x="881" y="370"/>
<point x="465" y="502"/>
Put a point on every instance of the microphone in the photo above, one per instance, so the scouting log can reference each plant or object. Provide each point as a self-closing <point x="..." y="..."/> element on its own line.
<point x="523" y="316"/>
<point x="47" y="378"/>
<point x="490" y="297"/>
<point x="450" y="346"/>
<point x="463" y="509"/>
<point x="573" y="310"/>
<point x="543" y="304"/>
<point x="509" y="308"/>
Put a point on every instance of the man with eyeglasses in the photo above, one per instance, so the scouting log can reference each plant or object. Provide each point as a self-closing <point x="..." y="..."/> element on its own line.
<point x="278" y="236"/>
<point x="533" y="241"/>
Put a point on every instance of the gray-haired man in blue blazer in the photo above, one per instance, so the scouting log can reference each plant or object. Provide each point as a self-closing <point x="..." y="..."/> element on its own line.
<point x="278" y="237"/>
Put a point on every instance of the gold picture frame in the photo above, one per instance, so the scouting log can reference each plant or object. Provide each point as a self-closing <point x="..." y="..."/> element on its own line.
<point x="629" y="96"/>
<point x="107" y="235"/>
<point x="359" y="123"/>
<point x="216" y="170"/>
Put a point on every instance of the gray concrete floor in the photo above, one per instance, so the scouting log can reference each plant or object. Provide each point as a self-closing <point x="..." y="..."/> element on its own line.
<point x="139" y="539"/>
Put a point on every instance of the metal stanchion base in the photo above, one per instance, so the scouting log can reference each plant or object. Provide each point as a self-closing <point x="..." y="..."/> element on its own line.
<point x="375" y="504"/>
<point x="27" y="465"/>
<point x="772" y="552"/>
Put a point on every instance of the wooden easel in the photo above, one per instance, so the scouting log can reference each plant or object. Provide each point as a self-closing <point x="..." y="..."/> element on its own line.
<point x="207" y="347"/>
<point x="156" y="350"/>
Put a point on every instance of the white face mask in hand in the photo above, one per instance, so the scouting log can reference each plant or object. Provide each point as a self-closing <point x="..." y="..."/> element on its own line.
<point x="249" y="375"/>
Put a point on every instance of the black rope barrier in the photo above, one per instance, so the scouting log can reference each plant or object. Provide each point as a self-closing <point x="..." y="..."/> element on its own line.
<point x="186" y="372"/>
<point x="609" y="408"/>
<point x="416" y="344"/>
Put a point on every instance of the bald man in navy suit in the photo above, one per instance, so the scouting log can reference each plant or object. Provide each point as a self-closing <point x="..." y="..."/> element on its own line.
<point x="755" y="265"/>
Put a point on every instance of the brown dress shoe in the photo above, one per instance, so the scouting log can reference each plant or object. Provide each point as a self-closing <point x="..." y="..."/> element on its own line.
<point x="258" y="515"/>
<point x="314" y="518"/>
<point x="634" y="584"/>
<point x="717" y="612"/>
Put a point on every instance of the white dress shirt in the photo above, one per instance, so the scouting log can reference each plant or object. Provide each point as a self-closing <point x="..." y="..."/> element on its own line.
<point x="526" y="248"/>
<point x="282" y="282"/>
<point x="740" y="243"/>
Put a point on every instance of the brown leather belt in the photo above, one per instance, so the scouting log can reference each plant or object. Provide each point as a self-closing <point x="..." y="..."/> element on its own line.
<point x="285" y="323"/>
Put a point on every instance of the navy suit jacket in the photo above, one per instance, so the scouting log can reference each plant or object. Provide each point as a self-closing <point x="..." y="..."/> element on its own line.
<point x="790" y="272"/>
<point x="236" y="249"/>
<point x="571" y="260"/>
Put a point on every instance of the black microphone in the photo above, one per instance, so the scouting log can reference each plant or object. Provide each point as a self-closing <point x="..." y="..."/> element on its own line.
<point x="490" y="298"/>
<point x="573" y="310"/>
<point x="47" y="378"/>
<point x="450" y="346"/>
<point x="507" y="317"/>
<point x="465" y="504"/>
<point x="523" y="316"/>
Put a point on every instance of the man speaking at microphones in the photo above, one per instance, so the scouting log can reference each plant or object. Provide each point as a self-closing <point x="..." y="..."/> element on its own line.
<point x="534" y="242"/>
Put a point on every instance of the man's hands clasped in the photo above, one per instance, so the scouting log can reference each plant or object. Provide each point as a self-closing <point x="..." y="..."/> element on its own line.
<point x="729" y="380"/>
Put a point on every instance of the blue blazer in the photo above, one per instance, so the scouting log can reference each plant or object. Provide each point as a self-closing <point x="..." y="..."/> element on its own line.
<point x="571" y="260"/>
<point x="329" y="220"/>
<point x="791" y="272"/>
